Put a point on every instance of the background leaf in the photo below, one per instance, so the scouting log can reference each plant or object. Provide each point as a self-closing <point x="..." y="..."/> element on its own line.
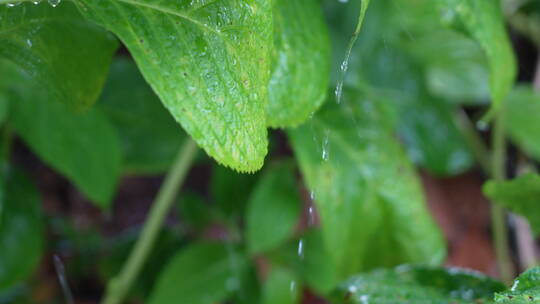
<point x="520" y="195"/>
<point x="82" y="146"/>
<point x="483" y="20"/>
<point x="412" y="285"/>
<point x="21" y="229"/>
<point x="521" y="112"/>
<point x="273" y="209"/>
<point x="298" y="86"/>
<point x="369" y="199"/>
<point x="203" y="273"/>
<point x="53" y="45"/>
<point x="209" y="62"/>
<point x="149" y="135"/>
<point x="280" y="287"/>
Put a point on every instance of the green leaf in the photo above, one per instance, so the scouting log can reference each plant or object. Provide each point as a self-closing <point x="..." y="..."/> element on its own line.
<point x="53" y="45"/>
<point x="484" y="22"/>
<point x="231" y="190"/>
<point x="316" y="267"/>
<point x="520" y="195"/>
<point x="204" y="273"/>
<point x="82" y="146"/>
<point x="273" y="209"/>
<point x="149" y="135"/>
<point x="209" y="62"/>
<point x="370" y="201"/>
<point x="521" y="111"/>
<point x="413" y="285"/>
<point x="526" y="289"/>
<point x="281" y="287"/>
<point x="298" y="85"/>
<point x="21" y="229"/>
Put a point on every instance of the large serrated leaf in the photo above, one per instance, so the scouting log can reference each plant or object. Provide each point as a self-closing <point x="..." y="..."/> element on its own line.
<point x="21" y="229"/>
<point x="82" y="146"/>
<point x="483" y="21"/>
<point x="301" y="62"/>
<point x="208" y="61"/>
<point x="418" y="285"/>
<point x="369" y="199"/>
<point x="519" y="195"/>
<point x="53" y="46"/>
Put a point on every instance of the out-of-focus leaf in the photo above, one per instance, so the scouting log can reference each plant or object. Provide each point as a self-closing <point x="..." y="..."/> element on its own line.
<point x="203" y="273"/>
<point x="483" y="21"/>
<point x="209" y="62"/>
<point x="21" y="229"/>
<point x="526" y="289"/>
<point x="521" y="111"/>
<point x="194" y="210"/>
<point x="149" y="135"/>
<point x="281" y="287"/>
<point x="298" y="85"/>
<point x="57" y="49"/>
<point x="371" y="205"/>
<point x="414" y="285"/>
<point x="316" y="266"/>
<point x="273" y="209"/>
<point x="231" y="190"/>
<point x="520" y="195"/>
<point x="82" y="146"/>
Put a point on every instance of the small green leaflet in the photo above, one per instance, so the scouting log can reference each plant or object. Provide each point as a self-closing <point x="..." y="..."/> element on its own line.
<point x="53" y="45"/>
<point x="520" y="195"/>
<point x="525" y="290"/>
<point x="208" y="61"/>
<point x="484" y="22"/>
<point x="371" y="205"/>
<point x="301" y="62"/>
<point x="21" y="229"/>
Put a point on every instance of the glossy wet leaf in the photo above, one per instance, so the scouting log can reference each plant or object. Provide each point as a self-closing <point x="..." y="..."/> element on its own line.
<point x="414" y="285"/>
<point x="208" y="61"/>
<point x="371" y="205"/>
<point x="149" y="135"/>
<point x="521" y="112"/>
<point x="301" y="62"/>
<point x="203" y="273"/>
<point x="21" y="229"/>
<point x="483" y="20"/>
<point x="281" y="287"/>
<point x="520" y="195"/>
<point x="53" y="45"/>
<point x="273" y="209"/>
<point x="526" y="289"/>
<point x="82" y="146"/>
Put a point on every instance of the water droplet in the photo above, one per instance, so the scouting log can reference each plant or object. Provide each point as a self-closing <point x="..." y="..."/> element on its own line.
<point x="293" y="286"/>
<point x="300" y="251"/>
<point x="482" y="125"/>
<point x="325" y="149"/>
<point x="339" y="91"/>
<point x="311" y="216"/>
<point x="12" y="4"/>
<point x="364" y="299"/>
<point x="29" y="42"/>
<point x="54" y="3"/>
<point x="343" y="1"/>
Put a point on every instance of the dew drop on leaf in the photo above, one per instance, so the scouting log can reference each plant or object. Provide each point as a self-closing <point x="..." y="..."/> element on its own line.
<point x="54" y="3"/>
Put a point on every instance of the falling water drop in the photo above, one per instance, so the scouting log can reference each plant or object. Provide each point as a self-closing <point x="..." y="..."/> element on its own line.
<point x="482" y="125"/>
<point x="61" y="274"/>
<point x="54" y="3"/>
<point x="325" y="151"/>
<point x="311" y="216"/>
<point x="300" y="251"/>
<point x="12" y="4"/>
<point x="29" y="42"/>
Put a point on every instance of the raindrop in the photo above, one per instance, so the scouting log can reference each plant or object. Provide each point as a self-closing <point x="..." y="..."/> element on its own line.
<point x="364" y="299"/>
<point x="293" y="286"/>
<point x="35" y="2"/>
<point x="29" y="42"/>
<point x="12" y="4"/>
<point x="301" y="249"/>
<point x="61" y="274"/>
<point x="481" y="125"/>
<point x="343" y="1"/>
<point x="311" y="216"/>
<point x="54" y="3"/>
<point x="325" y="152"/>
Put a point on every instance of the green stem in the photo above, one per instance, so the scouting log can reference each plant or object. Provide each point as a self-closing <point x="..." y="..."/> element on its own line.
<point x="119" y="286"/>
<point x="498" y="216"/>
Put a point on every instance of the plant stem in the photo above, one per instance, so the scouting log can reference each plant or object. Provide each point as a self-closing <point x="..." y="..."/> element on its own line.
<point x="119" y="286"/>
<point x="498" y="216"/>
